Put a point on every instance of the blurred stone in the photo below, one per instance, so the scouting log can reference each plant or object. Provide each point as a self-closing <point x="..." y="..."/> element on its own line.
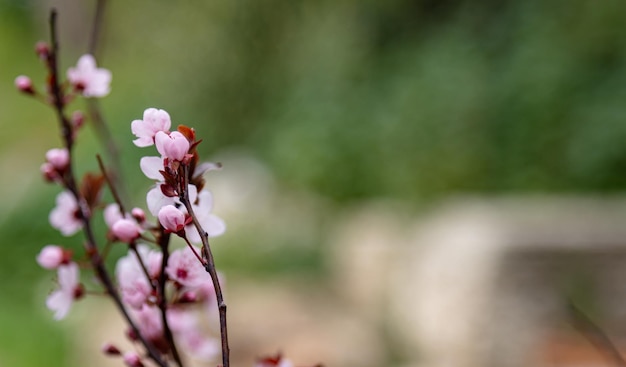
<point x="487" y="283"/>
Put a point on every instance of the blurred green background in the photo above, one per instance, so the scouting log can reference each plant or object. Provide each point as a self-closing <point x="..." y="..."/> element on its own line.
<point x="346" y="100"/>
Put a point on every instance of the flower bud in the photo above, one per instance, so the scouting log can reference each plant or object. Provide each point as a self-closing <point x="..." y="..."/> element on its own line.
<point x="126" y="230"/>
<point x="111" y="350"/>
<point x="132" y="359"/>
<point x="78" y="119"/>
<point x="24" y="84"/>
<point x="50" y="257"/>
<point x="58" y="158"/>
<point x="49" y="173"/>
<point x="42" y="49"/>
<point x="138" y="214"/>
<point x="173" y="145"/>
<point x="172" y="219"/>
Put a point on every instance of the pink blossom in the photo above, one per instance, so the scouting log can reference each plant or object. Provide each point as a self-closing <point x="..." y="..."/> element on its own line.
<point x="64" y="216"/>
<point x="173" y="145"/>
<point x="59" y="158"/>
<point x="51" y="257"/>
<point x="88" y="78"/>
<point x="148" y="319"/>
<point x="212" y="224"/>
<point x="126" y="230"/>
<point x="112" y="214"/>
<point x="171" y="218"/>
<point x="151" y="167"/>
<point x="184" y="268"/>
<point x="155" y="199"/>
<point x="24" y="84"/>
<point x="153" y="121"/>
<point x="132" y="359"/>
<point x="134" y="286"/>
<point x="60" y="301"/>
<point x="185" y="326"/>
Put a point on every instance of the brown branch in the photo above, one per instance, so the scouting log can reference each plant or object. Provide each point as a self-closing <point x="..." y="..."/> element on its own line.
<point x="97" y="26"/>
<point x="112" y="187"/>
<point x="595" y="334"/>
<point x="209" y="266"/>
<point x="84" y="211"/>
<point x="164" y="240"/>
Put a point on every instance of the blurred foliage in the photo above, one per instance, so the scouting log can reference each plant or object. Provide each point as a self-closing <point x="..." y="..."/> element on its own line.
<point x="349" y="99"/>
<point x="409" y="99"/>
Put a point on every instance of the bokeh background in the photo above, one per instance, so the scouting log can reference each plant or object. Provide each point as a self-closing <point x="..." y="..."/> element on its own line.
<point x="318" y="107"/>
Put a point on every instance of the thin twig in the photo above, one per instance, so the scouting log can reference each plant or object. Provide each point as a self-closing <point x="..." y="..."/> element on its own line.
<point x="112" y="186"/>
<point x="84" y="212"/>
<point x="93" y="107"/>
<point x="164" y="240"/>
<point x="97" y="26"/>
<point x="209" y="267"/>
<point x="595" y="335"/>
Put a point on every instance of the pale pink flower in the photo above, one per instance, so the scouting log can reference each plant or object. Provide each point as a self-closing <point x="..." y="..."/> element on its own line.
<point x="148" y="319"/>
<point x="212" y="224"/>
<point x="88" y="78"/>
<point x="153" y="121"/>
<point x="171" y="218"/>
<point x="132" y="359"/>
<point x="60" y="301"/>
<point x="59" y="158"/>
<point x="134" y="286"/>
<point x="184" y="268"/>
<point x="155" y="199"/>
<point x="64" y="216"/>
<point x="151" y="167"/>
<point x="173" y="145"/>
<point x="185" y="325"/>
<point x="112" y="214"/>
<point x="51" y="257"/>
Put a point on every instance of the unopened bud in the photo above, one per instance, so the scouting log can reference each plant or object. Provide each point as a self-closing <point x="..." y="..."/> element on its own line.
<point x="24" y="84"/>
<point x="78" y="119"/>
<point x="138" y="214"/>
<point x="59" y="158"/>
<point x="188" y="297"/>
<point x="126" y="230"/>
<point x="42" y="49"/>
<point x="132" y="335"/>
<point x="50" y="257"/>
<point x="49" y="173"/>
<point x="111" y="350"/>
<point x="79" y="291"/>
<point x="132" y="359"/>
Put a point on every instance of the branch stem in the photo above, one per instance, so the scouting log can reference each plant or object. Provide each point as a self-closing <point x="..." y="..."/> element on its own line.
<point x="209" y="266"/>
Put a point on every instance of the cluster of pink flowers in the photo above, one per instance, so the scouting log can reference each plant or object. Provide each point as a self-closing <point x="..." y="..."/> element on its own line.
<point x="165" y="296"/>
<point x="142" y="276"/>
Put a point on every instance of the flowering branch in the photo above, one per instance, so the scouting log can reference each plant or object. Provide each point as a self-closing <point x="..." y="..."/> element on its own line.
<point x="157" y="292"/>
<point x="84" y="211"/>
